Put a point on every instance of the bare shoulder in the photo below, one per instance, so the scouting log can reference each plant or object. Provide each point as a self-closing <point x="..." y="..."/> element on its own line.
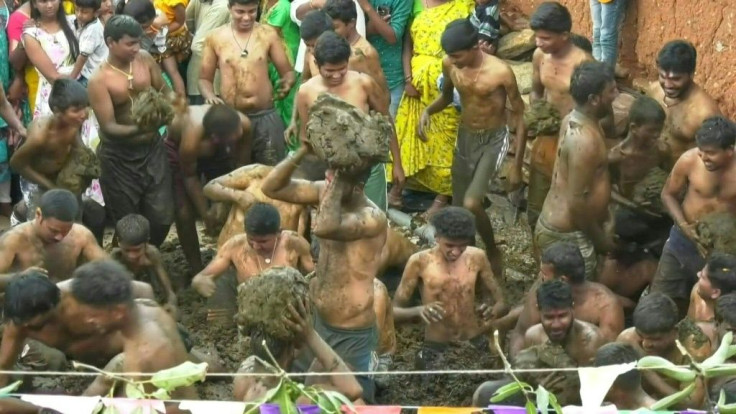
<point x="603" y="293"/>
<point x="82" y="234"/>
<point x="629" y="336"/>
<point x="154" y="255"/>
<point x="687" y="160"/>
<point x="476" y="255"/>
<point x="293" y="238"/>
<point x="535" y="334"/>
<point x="234" y="243"/>
<point x="579" y="56"/>
<point x="705" y="105"/>
<point x="13" y="238"/>
<point x="420" y="258"/>
<point x="268" y="31"/>
<point x="537" y="57"/>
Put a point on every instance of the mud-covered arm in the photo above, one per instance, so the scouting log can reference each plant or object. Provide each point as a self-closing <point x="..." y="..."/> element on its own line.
<point x="231" y="187"/>
<point x="500" y="308"/>
<point x="10" y="349"/>
<point x="537" y="92"/>
<point x="517" y="117"/>
<point x="529" y="316"/>
<point x="332" y="223"/>
<point x="102" y="383"/>
<point x="331" y="362"/>
<point x="611" y="321"/>
<point x="207" y="69"/>
<point x="22" y="160"/>
<point x="191" y="137"/>
<point x="219" y="263"/>
<point x="279" y="184"/>
<point x="161" y="274"/>
<point x="445" y="98"/>
<point x="409" y="281"/>
<point x="301" y="247"/>
<point x="91" y="251"/>
<point x="378" y="101"/>
<point x="675" y="185"/>
<point x="280" y="60"/>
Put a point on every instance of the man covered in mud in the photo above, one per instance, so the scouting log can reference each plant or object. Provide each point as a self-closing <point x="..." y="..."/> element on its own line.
<point x="484" y="83"/>
<point x="51" y="241"/>
<point x="553" y="63"/>
<point x="716" y="279"/>
<point x="655" y="331"/>
<point x="209" y="141"/>
<point x="448" y="274"/>
<point x="706" y="175"/>
<point x="264" y="245"/>
<point x="626" y="392"/>
<point x="44" y="322"/>
<point x="242" y="50"/>
<point x="593" y="302"/>
<point x="242" y="189"/>
<point x="576" y="207"/>
<point x="352" y="232"/>
<point x="135" y="172"/>
<point x="687" y="104"/>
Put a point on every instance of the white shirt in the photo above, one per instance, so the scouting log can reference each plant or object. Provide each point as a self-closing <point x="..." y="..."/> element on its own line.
<point x="299" y="63"/>
<point x="92" y="45"/>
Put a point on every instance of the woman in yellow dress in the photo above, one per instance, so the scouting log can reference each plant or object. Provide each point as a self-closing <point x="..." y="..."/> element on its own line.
<point x="427" y="162"/>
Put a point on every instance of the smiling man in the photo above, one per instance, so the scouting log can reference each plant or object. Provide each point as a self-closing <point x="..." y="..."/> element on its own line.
<point x="706" y="175"/>
<point x="686" y="103"/>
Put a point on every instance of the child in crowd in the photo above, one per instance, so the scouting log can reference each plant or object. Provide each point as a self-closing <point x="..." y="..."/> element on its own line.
<point x="486" y="18"/>
<point x="142" y="258"/>
<point x="92" y="47"/>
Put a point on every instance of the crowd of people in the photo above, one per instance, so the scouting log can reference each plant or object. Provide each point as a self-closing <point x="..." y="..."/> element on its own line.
<point x="618" y="278"/>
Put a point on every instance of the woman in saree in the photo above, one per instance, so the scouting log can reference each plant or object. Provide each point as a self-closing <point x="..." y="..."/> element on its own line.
<point x="427" y="160"/>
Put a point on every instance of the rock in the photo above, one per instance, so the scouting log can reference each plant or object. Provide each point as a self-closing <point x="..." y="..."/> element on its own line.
<point x="523" y="72"/>
<point x="515" y="44"/>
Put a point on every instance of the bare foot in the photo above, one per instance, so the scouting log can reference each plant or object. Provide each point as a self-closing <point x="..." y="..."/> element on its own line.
<point x="438" y="204"/>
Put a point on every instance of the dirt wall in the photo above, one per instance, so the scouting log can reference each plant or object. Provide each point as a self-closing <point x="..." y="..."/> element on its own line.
<point x="709" y="24"/>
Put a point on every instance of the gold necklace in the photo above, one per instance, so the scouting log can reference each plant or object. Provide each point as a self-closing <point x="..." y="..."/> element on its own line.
<point x="482" y="59"/>
<point x="128" y="75"/>
<point x="267" y="260"/>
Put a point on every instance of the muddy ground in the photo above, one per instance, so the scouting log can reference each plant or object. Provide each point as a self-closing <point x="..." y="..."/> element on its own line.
<point x="406" y="390"/>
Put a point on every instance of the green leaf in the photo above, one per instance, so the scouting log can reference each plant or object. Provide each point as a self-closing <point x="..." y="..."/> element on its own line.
<point x="138" y="410"/>
<point x="160" y="394"/>
<point x="134" y="391"/>
<point x="530" y="408"/>
<point x="181" y="375"/>
<point x="342" y="399"/>
<point x="506" y="391"/>
<point x="10" y="388"/>
<point x="556" y="405"/>
<point x="542" y="399"/>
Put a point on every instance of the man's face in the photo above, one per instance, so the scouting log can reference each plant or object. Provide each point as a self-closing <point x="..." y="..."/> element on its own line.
<point x="556" y="323"/>
<point x="343" y="29"/>
<point x="550" y="42"/>
<point x="674" y="84"/>
<point x="714" y="158"/>
<point x="451" y="249"/>
<point x="263" y="244"/>
<point x="705" y="288"/>
<point x="333" y="73"/>
<point x="546" y="272"/>
<point x="606" y="98"/>
<point x="101" y="320"/>
<point x="647" y="132"/>
<point x="84" y="15"/>
<point x="244" y="15"/>
<point x="75" y="115"/>
<point x="126" y="48"/>
<point x="463" y="58"/>
<point x="657" y="343"/>
<point x="133" y="253"/>
<point x="52" y="230"/>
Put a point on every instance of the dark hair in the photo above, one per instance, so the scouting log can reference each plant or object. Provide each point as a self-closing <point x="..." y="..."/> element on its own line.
<point x="722" y="272"/>
<point x="71" y="38"/>
<point x="121" y="25"/>
<point x="331" y="48"/>
<point x="646" y="110"/>
<point x="314" y="24"/>
<point x="262" y="219"/>
<point x="454" y="223"/>
<point x="342" y="10"/>
<point x="567" y="261"/>
<point x="551" y="16"/>
<point x="554" y="294"/>
<point x="678" y="56"/>
<point x="29" y="294"/>
<point x="220" y="120"/>
<point x="59" y="204"/>
<point x="133" y="229"/>
<point x="656" y="313"/>
<point x="459" y="35"/>
<point x="581" y="42"/>
<point x="142" y="11"/>
<point x="231" y="3"/>
<point x="276" y="346"/>
<point x="67" y="93"/>
<point x="725" y="309"/>
<point x="589" y="78"/>
<point x="102" y="283"/>
<point x="717" y="131"/>
<point x="620" y="353"/>
<point x="89" y="4"/>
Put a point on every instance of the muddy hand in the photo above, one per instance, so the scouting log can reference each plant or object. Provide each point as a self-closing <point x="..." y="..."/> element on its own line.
<point x="204" y="285"/>
<point x="432" y="313"/>
<point x="553" y="382"/>
<point x="423" y="125"/>
<point x="399" y="178"/>
<point x="410" y="90"/>
<point x="298" y="320"/>
<point x="37" y="269"/>
<point x="289" y="133"/>
<point x="214" y="101"/>
<point x="486" y="47"/>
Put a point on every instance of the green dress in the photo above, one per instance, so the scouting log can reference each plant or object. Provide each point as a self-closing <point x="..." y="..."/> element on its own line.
<point x="278" y="17"/>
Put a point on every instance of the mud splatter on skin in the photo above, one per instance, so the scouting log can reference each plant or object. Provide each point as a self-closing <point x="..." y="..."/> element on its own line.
<point x="689" y="332"/>
<point x="718" y="232"/>
<point x="80" y="169"/>
<point x="151" y="110"/>
<point x="648" y="191"/>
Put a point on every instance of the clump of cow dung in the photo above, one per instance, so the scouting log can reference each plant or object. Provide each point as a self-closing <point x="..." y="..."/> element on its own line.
<point x="151" y="110"/>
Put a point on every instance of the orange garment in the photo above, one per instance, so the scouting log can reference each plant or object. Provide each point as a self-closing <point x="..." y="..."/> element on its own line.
<point x="168" y="8"/>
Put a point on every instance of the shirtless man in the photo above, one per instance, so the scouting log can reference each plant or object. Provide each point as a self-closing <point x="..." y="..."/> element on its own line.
<point x="654" y="333"/>
<point x="706" y="175"/>
<point x="553" y="63"/>
<point x="352" y="233"/>
<point x="264" y="245"/>
<point x="51" y="241"/>
<point x="577" y="204"/>
<point x="135" y="173"/>
<point x="686" y="103"/>
<point x="242" y="51"/>
<point x="593" y="302"/>
<point x="626" y="392"/>
<point x="45" y="312"/>
<point x="242" y="189"/>
<point x="150" y="338"/>
<point x="484" y="82"/>
<point x="209" y="140"/>
<point x="448" y="274"/>
<point x="717" y="278"/>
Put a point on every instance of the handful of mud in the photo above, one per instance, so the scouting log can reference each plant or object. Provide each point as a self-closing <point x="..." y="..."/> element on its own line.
<point x="648" y="191"/>
<point x="542" y="118"/>
<point x="717" y="232"/>
<point x="151" y="110"/>
<point x="263" y="301"/>
<point x="345" y="137"/>
<point x="80" y="169"/>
